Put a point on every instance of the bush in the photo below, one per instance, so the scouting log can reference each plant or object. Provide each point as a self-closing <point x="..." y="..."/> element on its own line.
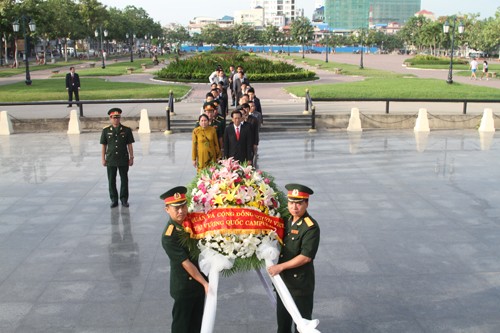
<point x="433" y="60"/>
<point x="199" y="67"/>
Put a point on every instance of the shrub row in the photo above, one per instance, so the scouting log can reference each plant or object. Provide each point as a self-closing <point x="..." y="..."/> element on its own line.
<point x="253" y="77"/>
<point x="198" y="68"/>
<point x="432" y="60"/>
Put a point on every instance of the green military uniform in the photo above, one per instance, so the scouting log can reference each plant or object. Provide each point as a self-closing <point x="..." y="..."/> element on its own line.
<point x="116" y="140"/>
<point x="188" y="294"/>
<point x="300" y="238"/>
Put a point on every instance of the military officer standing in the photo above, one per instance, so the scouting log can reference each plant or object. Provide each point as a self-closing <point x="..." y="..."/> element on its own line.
<point x="295" y="264"/>
<point x="214" y="119"/>
<point x="117" y="155"/>
<point x="188" y="285"/>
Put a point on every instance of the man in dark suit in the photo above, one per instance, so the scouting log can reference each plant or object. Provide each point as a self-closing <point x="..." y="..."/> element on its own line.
<point x="238" y="140"/>
<point x="238" y="80"/>
<point x="72" y="86"/>
<point x="256" y="101"/>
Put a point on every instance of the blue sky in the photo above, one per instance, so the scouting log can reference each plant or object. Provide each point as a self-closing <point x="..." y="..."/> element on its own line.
<point x="183" y="11"/>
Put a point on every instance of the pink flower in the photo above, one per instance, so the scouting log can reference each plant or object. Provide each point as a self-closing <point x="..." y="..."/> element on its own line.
<point x="266" y="180"/>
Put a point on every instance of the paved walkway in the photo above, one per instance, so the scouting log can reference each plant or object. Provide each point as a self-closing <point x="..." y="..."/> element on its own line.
<point x="410" y="234"/>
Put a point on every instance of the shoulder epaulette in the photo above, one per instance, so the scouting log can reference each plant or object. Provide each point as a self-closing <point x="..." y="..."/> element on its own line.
<point x="169" y="230"/>
<point x="309" y="222"/>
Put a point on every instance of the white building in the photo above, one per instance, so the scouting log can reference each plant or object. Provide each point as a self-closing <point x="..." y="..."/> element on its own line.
<point x="276" y="12"/>
<point x="199" y="22"/>
<point x="253" y="17"/>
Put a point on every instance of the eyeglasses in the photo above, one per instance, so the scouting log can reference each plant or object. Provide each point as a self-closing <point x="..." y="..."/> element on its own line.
<point x="116" y="117"/>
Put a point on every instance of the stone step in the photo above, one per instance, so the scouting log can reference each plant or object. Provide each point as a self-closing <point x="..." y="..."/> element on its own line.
<point x="272" y="123"/>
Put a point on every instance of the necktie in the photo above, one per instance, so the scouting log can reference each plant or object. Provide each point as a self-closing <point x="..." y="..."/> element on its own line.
<point x="237" y="133"/>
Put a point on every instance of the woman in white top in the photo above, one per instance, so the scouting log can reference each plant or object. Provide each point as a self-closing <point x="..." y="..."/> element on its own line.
<point x="485" y="70"/>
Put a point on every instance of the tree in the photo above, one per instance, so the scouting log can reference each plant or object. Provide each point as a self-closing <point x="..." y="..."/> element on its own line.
<point x="271" y="35"/>
<point x="302" y="29"/>
<point x="176" y="35"/>
<point x="212" y="34"/>
<point x="93" y="14"/>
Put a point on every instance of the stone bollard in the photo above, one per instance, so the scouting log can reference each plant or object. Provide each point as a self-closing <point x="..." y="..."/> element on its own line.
<point x="354" y="121"/>
<point x="422" y="124"/>
<point x="74" y="123"/>
<point x="5" y="124"/>
<point x="144" y="122"/>
<point x="487" y="122"/>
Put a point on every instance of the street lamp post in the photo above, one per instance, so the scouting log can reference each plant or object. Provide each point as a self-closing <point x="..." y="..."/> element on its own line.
<point x="303" y="40"/>
<point x="99" y="33"/>
<point x="131" y="42"/>
<point x="1" y="50"/>
<point x="32" y="27"/>
<point x="326" y="52"/>
<point x="361" y="35"/>
<point x="446" y="29"/>
<point x="288" y="40"/>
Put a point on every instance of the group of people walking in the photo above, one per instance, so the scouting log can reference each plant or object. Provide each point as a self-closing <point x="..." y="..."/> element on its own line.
<point x="212" y="139"/>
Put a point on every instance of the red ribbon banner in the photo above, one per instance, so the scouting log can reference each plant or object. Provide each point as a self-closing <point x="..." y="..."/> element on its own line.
<point x="232" y="221"/>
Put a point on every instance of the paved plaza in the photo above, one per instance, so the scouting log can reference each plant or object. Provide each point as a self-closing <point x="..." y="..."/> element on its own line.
<point x="410" y="233"/>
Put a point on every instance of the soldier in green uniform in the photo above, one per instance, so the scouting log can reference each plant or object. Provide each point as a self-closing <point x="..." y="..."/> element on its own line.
<point x="188" y="285"/>
<point x="117" y="155"/>
<point x="295" y="263"/>
<point x="215" y="120"/>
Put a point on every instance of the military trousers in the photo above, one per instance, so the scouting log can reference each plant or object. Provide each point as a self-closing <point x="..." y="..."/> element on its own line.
<point x="187" y="314"/>
<point x="285" y="321"/>
<point x="113" y="192"/>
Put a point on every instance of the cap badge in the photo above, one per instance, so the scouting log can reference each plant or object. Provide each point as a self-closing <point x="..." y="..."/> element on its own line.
<point x="177" y="195"/>
<point x="295" y="192"/>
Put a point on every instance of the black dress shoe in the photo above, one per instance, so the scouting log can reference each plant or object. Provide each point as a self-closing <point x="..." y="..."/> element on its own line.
<point x="69" y="106"/>
<point x="114" y="204"/>
<point x="125" y="204"/>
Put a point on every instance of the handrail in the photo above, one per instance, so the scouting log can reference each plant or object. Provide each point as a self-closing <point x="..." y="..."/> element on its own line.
<point x="169" y="101"/>
<point x="388" y="100"/>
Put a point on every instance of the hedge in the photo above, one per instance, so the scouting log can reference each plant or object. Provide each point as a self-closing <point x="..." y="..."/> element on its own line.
<point x="199" y="67"/>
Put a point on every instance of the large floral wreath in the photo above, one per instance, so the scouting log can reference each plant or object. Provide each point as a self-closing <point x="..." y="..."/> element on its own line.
<point x="233" y="208"/>
<point x="235" y="218"/>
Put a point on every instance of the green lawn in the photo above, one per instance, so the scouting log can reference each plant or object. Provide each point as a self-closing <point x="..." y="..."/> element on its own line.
<point x="92" y="89"/>
<point x="112" y="68"/>
<point x="347" y="69"/>
<point x="397" y="88"/>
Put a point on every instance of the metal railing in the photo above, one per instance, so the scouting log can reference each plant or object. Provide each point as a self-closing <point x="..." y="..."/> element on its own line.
<point x="387" y="101"/>
<point x="169" y="101"/>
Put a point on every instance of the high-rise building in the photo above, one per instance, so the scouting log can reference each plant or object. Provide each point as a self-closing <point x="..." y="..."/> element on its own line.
<point x="355" y="14"/>
<point x="277" y="12"/>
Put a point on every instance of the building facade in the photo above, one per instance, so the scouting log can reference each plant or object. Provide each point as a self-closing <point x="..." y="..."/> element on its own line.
<point x="277" y="12"/>
<point x="355" y="14"/>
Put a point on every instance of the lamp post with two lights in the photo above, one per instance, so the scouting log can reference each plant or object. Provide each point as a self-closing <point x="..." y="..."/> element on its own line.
<point x="131" y="42"/>
<point x="98" y="33"/>
<point x="32" y="27"/>
<point x="446" y="29"/>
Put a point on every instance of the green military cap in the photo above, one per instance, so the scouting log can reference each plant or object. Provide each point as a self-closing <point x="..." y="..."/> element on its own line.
<point x="175" y="196"/>
<point x="115" y="112"/>
<point x="297" y="192"/>
<point x="209" y="105"/>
